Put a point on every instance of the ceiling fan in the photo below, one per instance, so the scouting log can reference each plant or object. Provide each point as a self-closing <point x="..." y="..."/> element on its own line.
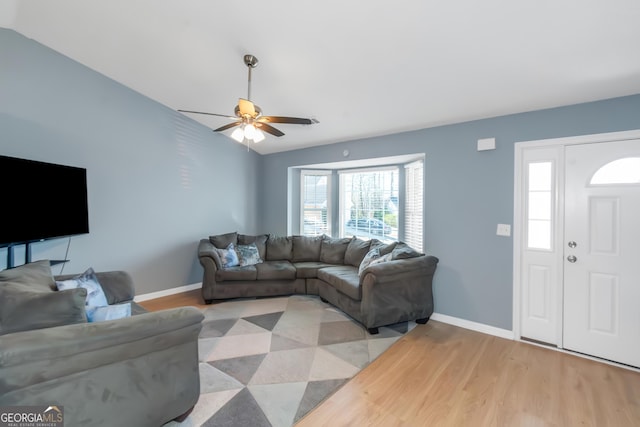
<point x="248" y="117"/>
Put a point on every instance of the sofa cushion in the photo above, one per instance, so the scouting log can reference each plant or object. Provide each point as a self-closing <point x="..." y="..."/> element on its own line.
<point x="22" y="309"/>
<point x="248" y="254"/>
<point x="228" y="257"/>
<point x="344" y="278"/>
<point x="368" y="259"/>
<point x="404" y="251"/>
<point x="36" y="274"/>
<point x="309" y="269"/>
<point x="356" y="250"/>
<point x="248" y="272"/>
<point x="276" y="270"/>
<point x="279" y="248"/>
<point x="306" y="248"/>
<point x="260" y="241"/>
<point x="332" y="249"/>
<point x="385" y="248"/>
<point x="221" y="241"/>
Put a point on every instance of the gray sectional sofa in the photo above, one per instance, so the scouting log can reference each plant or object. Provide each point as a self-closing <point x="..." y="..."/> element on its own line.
<point x="140" y="370"/>
<point x="395" y="287"/>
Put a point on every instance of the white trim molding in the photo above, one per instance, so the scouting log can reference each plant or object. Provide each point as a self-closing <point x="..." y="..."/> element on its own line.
<point x="167" y="292"/>
<point x="474" y="326"/>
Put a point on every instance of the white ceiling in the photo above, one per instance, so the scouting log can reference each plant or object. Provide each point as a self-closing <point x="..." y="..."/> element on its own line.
<point x="362" y="68"/>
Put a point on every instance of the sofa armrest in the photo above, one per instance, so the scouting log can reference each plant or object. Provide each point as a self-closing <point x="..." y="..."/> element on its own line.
<point x="117" y="285"/>
<point x="397" y="290"/>
<point x="392" y="271"/>
<point x="206" y="249"/>
<point x="41" y="355"/>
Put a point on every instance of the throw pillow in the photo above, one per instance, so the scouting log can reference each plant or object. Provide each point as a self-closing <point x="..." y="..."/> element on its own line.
<point x="368" y="258"/>
<point x="385" y="248"/>
<point x="228" y="256"/>
<point x="88" y="280"/>
<point x="259" y="240"/>
<point x="109" y="312"/>
<point x="380" y="260"/>
<point x="248" y="254"/>
<point x="36" y="274"/>
<point x="22" y="309"/>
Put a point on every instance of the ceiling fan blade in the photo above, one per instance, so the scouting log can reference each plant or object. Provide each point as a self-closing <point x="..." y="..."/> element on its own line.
<point x="229" y="126"/>
<point x="208" y="114"/>
<point x="292" y="120"/>
<point x="246" y="107"/>
<point x="269" y="129"/>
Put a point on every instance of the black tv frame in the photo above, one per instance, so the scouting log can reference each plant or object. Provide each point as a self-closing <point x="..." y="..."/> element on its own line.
<point x="55" y="194"/>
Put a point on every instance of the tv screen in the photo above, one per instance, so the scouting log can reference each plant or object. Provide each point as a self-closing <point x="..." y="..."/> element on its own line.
<point x="41" y="201"/>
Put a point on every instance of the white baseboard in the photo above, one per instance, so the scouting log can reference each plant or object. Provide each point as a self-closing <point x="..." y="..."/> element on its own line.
<point x="167" y="292"/>
<point x="478" y="327"/>
<point x="455" y="321"/>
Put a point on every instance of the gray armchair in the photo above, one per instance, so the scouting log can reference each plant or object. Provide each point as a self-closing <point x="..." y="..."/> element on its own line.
<point x="136" y="371"/>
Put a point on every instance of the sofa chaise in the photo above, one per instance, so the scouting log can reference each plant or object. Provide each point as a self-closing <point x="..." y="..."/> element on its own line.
<point x="375" y="283"/>
<point x="141" y="370"/>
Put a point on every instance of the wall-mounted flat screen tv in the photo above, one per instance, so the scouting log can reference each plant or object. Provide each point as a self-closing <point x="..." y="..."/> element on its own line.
<point x="41" y="201"/>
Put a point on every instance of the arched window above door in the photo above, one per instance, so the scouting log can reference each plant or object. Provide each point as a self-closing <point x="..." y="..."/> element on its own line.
<point x="620" y="171"/>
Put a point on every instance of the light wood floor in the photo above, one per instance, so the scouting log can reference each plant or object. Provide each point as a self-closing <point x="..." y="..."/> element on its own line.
<point x="443" y="375"/>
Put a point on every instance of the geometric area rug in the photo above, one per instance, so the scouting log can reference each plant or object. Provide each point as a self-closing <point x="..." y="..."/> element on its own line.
<point x="269" y="361"/>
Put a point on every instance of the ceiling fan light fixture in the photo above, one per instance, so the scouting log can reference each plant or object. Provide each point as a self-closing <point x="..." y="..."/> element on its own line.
<point x="259" y="136"/>
<point x="249" y="131"/>
<point x="238" y="135"/>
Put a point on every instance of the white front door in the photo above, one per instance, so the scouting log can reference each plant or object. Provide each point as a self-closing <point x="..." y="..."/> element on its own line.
<point x="601" y="300"/>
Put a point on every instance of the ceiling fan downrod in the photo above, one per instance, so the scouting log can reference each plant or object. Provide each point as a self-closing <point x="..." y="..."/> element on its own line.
<point x="251" y="62"/>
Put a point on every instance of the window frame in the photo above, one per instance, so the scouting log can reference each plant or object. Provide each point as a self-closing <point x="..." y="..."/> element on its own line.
<point x="341" y="204"/>
<point x="407" y="220"/>
<point x="316" y="172"/>
<point x="295" y="217"/>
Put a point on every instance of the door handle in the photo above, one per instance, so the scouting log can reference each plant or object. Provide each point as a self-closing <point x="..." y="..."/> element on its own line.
<point x="572" y="244"/>
<point x="572" y="258"/>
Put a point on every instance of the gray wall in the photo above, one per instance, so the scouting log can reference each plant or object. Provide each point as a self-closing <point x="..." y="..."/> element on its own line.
<point x="157" y="181"/>
<point x="467" y="193"/>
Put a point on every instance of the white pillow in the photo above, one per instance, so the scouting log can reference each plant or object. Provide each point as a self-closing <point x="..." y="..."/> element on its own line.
<point x="228" y="256"/>
<point x="368" y="258"/>
<point x="88" y="280"/>
<point x="380" y="260"/>
<point x="109" y="312"/>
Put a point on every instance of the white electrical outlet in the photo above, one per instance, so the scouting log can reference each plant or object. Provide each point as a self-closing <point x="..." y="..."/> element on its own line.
<point x="504" y="230"/>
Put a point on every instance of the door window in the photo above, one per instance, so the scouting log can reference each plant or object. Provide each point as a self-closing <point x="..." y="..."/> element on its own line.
<point x="621" y="171"/>
<point x="539" y="207"/>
